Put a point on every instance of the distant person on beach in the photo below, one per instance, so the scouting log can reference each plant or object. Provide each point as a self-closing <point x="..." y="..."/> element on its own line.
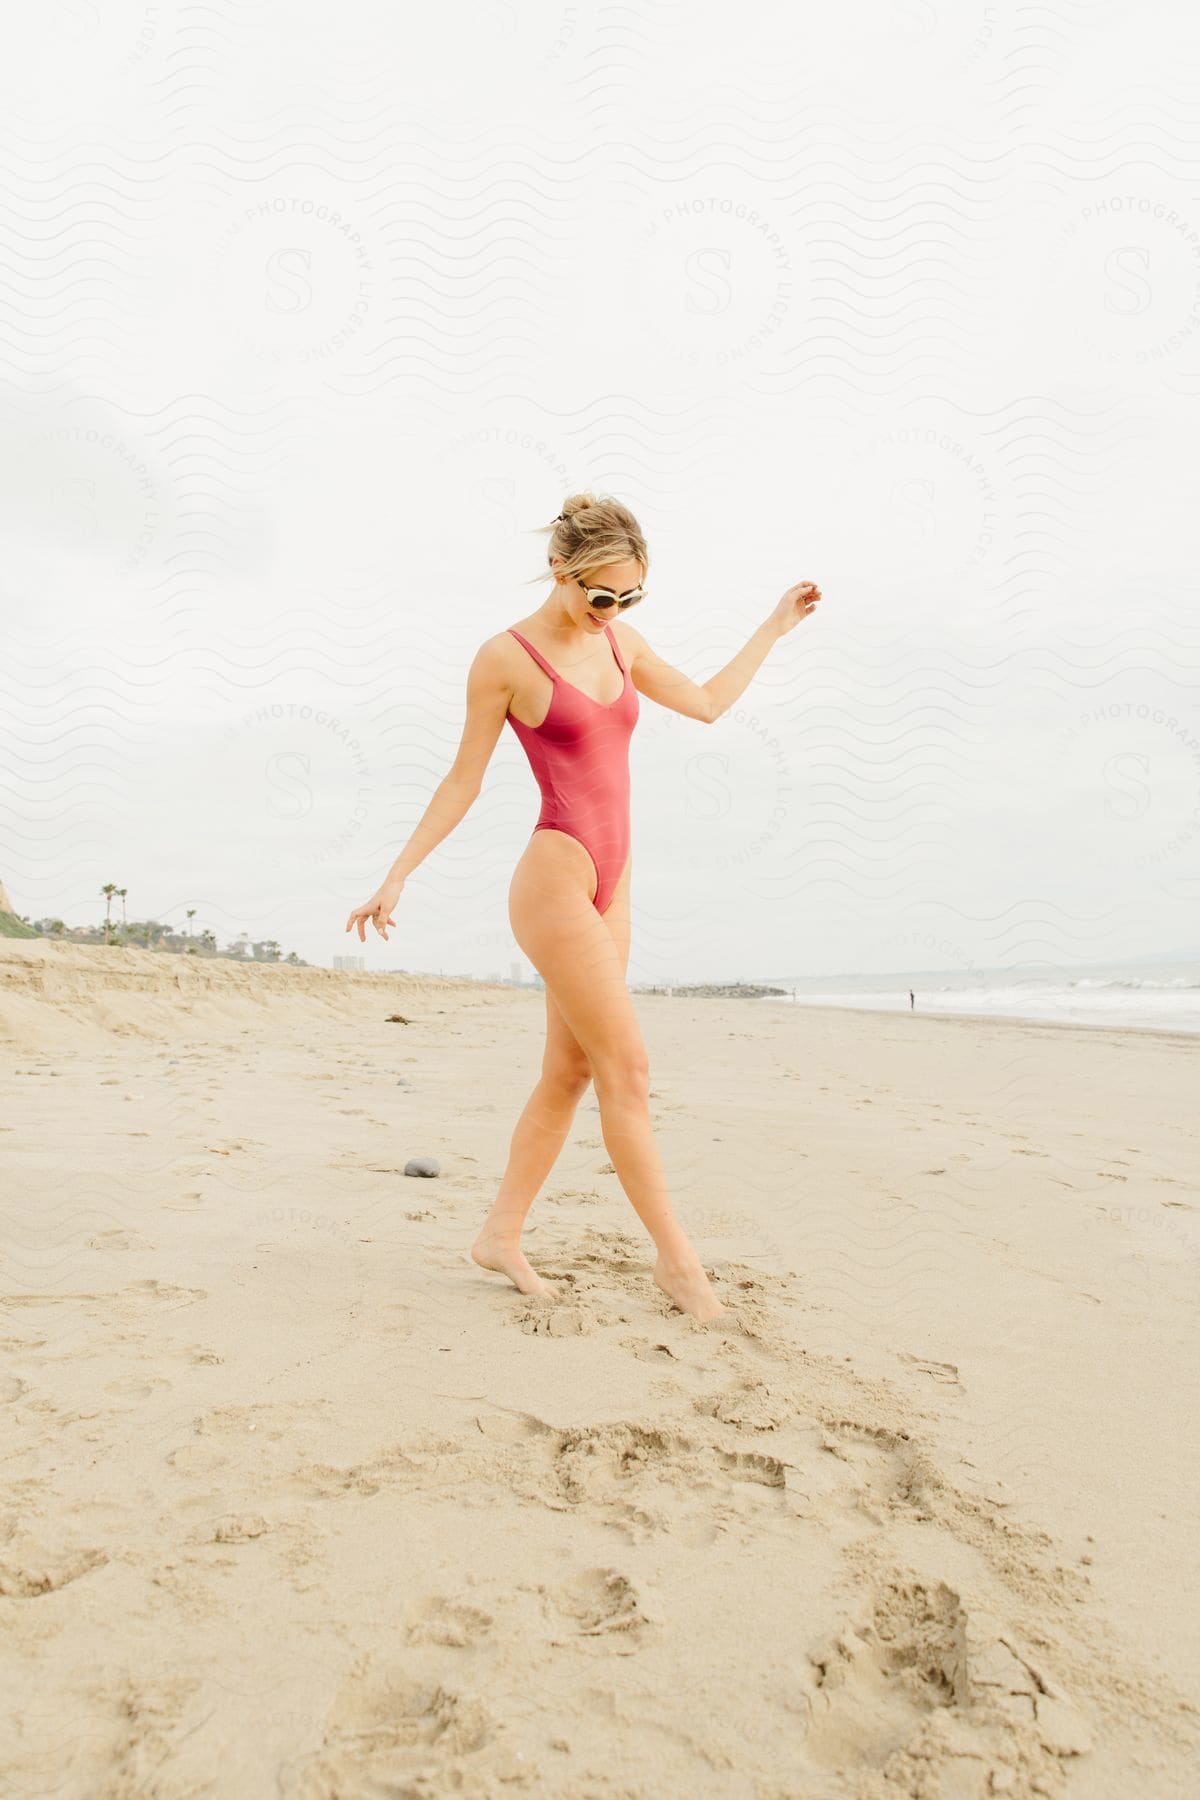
<point x="568" y="903"/>
<point x="912" y="1001"/>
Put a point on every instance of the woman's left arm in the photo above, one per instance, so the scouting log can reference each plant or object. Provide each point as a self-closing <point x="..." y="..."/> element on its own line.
<point x="708" y="700"/>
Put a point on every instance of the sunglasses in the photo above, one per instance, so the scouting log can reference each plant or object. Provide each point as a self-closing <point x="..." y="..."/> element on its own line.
<point x="603" y="598"/>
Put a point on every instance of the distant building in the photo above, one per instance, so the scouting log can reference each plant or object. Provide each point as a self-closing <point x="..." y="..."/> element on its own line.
<point x="350" y="963"/>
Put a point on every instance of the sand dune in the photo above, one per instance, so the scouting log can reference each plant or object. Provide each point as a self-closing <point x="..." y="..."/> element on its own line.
<point x="296" y="1500"/>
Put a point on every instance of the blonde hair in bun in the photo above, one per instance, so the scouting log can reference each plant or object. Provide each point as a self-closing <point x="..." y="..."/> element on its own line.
<point x="591" y="531"/>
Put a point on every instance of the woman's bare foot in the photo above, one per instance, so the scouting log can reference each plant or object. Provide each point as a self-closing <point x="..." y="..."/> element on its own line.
<point x="688" y="1286"/>
<point x="506" y="1258"/>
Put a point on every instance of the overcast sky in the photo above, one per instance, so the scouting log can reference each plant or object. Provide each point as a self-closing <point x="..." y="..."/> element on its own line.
<point x="314" y="314"/>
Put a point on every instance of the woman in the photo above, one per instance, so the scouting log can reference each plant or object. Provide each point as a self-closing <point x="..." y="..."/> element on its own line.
<point x="573" y="705"/>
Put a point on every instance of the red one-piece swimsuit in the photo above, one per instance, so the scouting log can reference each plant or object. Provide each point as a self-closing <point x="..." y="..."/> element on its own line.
<point x="580" y="756"/>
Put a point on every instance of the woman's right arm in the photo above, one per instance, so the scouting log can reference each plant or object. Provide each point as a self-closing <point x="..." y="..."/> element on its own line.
<point x="489" y="691"/>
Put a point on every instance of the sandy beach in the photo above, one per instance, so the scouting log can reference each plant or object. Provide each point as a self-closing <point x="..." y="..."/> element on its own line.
<point x="297" y="1501"/>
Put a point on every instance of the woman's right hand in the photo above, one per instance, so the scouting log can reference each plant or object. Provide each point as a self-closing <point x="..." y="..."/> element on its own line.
<point x="378" y="909"/>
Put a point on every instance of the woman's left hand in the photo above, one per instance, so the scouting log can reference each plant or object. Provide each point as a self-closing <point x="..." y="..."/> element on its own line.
<point x="796" y="604"/>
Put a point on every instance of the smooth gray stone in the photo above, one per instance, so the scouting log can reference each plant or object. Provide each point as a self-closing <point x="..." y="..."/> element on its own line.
<point x="422" y="1165"/>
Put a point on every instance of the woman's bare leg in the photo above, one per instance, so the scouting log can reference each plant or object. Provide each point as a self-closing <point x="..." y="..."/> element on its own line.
<point x="575" y="952"/>
<point x="542" y="1129"/>
<point x="540" y="1133"/>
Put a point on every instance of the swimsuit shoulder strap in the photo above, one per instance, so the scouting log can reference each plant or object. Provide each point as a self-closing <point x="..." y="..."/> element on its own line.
<point x="612" y="640"/>
<point x="536" y="654"/>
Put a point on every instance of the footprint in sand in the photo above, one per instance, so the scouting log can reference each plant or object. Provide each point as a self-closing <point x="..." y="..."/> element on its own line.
<point x="568" y="1316"/>
<point x="640" y="1478"/>
<point x="872" y="1468"/>
<point x="196" y="1442"/>
<point x="29" y="1569"/>
<point x="605" y="1604"/>
<point x="136" y="1387"/>
<point x="121" y="1728"/>
<point x="188" y="1202"/>
<point x="419" y="1463"/>
<point x="118" y="1240"/>
<point x="753" y="1466"/>
<point x="450" y="1622"/>
<point x="651" y="1352"/>
<point x="913" y="1654"/>
<point x="875" y="1682"/>
<point x="142" y="1297"/>
<point x="232" y="1528"/>
<point x="389" y="1731"/>
<point x="196" y="1459"/>
<point x="601" y="1463"/>
<point x="946" y="1373"/>
<point x="751" y="1404"/>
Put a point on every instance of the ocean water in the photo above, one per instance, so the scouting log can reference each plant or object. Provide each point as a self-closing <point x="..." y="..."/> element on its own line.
<point x="1142" y="996"/>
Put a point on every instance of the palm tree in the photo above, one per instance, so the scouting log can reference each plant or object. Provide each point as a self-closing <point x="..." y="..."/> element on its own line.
<point x="191" y="915"/>
<point x="108" y="890"/>
<point x="122" y="892"/>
